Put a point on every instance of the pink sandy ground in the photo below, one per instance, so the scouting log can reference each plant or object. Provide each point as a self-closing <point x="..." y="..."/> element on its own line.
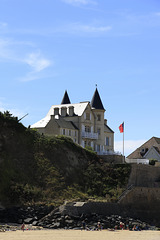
<point x="79" y="235"/>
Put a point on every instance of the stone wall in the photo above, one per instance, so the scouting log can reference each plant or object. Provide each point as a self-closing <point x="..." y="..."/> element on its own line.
<point x="111" y="158"/>
<point x="101" y="208"/>
<point x="142" y="198"/>
<point x="107" y="209"/>
<point x="144" y="176"/>
<point x="141" y="202"/>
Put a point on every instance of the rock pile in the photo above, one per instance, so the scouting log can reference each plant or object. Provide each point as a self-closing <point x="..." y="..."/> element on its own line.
<point x="27" y="215"/>
<point x="57" y="220"/>
<point x="48" y="217"/>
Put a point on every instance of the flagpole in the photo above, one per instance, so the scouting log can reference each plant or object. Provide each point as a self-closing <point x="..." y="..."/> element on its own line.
<point x="123" y="144"/>
<point x="121" y="129"/>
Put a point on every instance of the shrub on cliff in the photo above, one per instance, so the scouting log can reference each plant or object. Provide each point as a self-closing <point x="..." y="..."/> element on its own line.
<point x="36" y="168"/>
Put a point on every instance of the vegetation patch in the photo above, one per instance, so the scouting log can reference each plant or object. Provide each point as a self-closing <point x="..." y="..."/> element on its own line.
<point x="38" y="169"/>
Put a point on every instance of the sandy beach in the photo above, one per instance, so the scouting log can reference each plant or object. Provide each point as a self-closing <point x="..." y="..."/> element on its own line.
<point x="79" y="235"/>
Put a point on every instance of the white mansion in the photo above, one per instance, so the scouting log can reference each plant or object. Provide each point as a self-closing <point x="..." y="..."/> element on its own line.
<point x="83" y="122"/>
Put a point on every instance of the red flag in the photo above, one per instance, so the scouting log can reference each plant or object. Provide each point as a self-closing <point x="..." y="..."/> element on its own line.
<point x="121" y="128"/>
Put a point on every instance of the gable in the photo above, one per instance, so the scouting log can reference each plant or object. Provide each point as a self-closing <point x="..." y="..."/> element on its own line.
<point x="107" y="129"/>
<point x="141" y="151"/>
<point x="152" y="154"/>
<point x="88" y="114"/>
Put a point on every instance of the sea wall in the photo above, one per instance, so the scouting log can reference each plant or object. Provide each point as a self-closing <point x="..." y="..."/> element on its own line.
<point x="144" y="176"/>
<point x="103" y="208"/>
<point x="111" y="158"/>
<point x="142" y="198"/>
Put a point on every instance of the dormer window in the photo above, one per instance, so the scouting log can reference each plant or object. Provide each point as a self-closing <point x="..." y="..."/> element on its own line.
<point x="143" y="151"/>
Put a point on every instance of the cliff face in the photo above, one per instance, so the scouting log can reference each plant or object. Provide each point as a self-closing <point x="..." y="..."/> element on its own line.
<point x="32" y="165"/>
<point x="35" y="168"/>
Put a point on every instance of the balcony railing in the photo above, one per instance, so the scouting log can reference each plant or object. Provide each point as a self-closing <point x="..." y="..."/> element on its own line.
<point x="89" y="135"/>
<point x="110" y="152"/>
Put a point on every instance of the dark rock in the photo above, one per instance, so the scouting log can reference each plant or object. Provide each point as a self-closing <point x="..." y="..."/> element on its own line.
<point x="69" y="221"/>
<point x="34" y="223"/>
<point x="28" y="220"/>
<point x="55" y="225"/>
<point x="57" y="214"/>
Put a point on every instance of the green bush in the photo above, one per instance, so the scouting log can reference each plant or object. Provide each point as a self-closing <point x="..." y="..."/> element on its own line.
<point x="152" y="162"/>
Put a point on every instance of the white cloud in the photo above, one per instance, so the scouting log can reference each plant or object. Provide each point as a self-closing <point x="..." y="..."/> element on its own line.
<point x="81" y="28"/>
<point x="31" y="76"/>
<point x="157" y="13"/>
<point x="5" y="51"/>
<point x="92" y="29"/>
<point x="79" y="2"/>
<point x="37" y="62"/>
<point x="129" y="145"/>
<point x="13" y="51"/>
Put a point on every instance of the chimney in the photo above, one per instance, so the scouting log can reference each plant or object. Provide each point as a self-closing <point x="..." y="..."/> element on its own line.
<point x="63" y="111"/>
<point x="105" y="121"/>
<point x="71" y="111"/>
<point x="56" y="111"/>
<point x="52" y="117"/>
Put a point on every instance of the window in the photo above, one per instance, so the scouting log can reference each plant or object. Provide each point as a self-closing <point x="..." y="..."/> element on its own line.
<point x="87" y="116"/>
<point x="107" y="141"/>
<point x="87" y="129"/>
<point x="69" y="132"/>
<point x="98" y="117"/>
<point x="75" y="133"/>
<point x="63" y="131"/>
<point x="98" y="148"/>
<point x="99" y="131"/>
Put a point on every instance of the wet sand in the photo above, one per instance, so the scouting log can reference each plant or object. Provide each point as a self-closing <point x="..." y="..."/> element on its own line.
<point x="79" y="235"/>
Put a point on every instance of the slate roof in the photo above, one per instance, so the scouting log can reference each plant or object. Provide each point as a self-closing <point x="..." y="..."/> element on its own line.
<point x="65" y="99"/>
<point x="96" y="101"/>
<point x="42" y="123"/>
<point x="79" y="108"/>
<point x="65" y="124"/>
<point x="107" y="128"/>
<point x="152" y="142"/>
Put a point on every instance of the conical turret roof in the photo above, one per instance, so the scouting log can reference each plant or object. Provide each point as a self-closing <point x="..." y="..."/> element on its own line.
<point x="96" y="101"/>
<point x="65" y="99"/>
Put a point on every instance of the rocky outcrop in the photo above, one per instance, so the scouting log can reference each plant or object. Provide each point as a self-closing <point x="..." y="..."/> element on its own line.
<point x="28" y="215"/>
<point x="63" y="217"/>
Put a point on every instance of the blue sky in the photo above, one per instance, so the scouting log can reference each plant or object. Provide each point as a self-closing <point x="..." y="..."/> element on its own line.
<point x="49" y="46"/>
